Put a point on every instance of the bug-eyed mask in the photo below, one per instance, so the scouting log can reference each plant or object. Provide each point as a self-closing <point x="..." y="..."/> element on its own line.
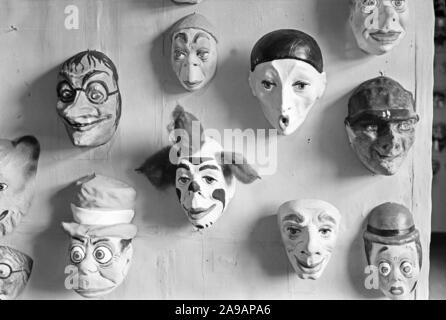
<point x="89" y="100"/>
<point x="287" y="77"/>
<point x="15" y="270"/>
<point x="309" y="230"/>
<point x="379" y="25"/>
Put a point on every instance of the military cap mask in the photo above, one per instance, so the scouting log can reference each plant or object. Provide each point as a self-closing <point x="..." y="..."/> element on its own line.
<point x="201" y="171"/>
<point x="287" y="77"/>
<point x="18" y="169"/>
<point x="393" y="247"/>
<point x="379" y="25"/>
<point x="309" y="230"/>
<point x="194" y="54"/>
<point x="381" y="124"/>
<point x="15" y="270"/>
<point x="89" y="100"/>
<point x="101" y="235"/>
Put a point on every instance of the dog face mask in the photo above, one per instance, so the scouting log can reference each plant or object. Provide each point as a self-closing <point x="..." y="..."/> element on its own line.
<point x="15" y="270"/>
<point x="89" y="100"/>
<point x="309" y="230"/>
<point x="201" y="171"/>
<point x="381" y="124"/>
<point x="379" y="25"/>
<point x="287" y="77"/>
<point x="194" y="54"/>
<point x="18" y="168"/>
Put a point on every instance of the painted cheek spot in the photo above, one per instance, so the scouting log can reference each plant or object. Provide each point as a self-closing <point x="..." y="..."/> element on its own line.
<point x="220" y="195"/>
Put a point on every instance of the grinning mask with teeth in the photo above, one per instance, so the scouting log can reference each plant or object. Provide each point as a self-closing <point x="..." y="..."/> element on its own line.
<point x="381" y="124"/>
<point x="287" y="77"/>
<point x="379" y="25"/>
<point x="89" y="100"/>
<point x="15" y="270"/>
<point x="202" y="172"/>
<point x="18" y="168"/>
<point x="309" y="230"/>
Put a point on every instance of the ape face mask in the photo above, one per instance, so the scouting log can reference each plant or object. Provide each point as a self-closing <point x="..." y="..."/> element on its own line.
<point x="309" y="231"/>
<point x="392" y="246"/>
<point x="379" y="25"/>
<point x="18" y="168"/>
<point x="287" y="77"/>
<point x="202" y="172"/>
<point x="15" y="270"/>
<point x="194" y="53"/>
<point x="89" y="101"/>
<point x="102" y="261"/>
<point x="381" y="124"/>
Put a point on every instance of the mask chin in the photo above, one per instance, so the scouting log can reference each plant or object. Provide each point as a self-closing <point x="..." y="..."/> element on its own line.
<point x="9" y="219"/>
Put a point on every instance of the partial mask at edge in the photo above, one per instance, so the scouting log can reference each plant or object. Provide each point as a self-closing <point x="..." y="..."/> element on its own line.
<point x="15" y="270"/>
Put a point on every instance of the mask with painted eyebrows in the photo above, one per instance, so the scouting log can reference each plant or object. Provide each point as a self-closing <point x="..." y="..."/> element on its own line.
<point x="309" y="230"/>
<point x="194" y="53"/>
<point x="89" y="100"/>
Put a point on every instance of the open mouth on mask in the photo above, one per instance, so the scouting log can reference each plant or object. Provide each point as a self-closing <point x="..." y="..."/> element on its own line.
<point x="309" y="268"/>
<point x="284" y="122"/>
<point x="199" y="213"/>
<point x="84" y="125"/>
<point x="384" y="157"/>
<point x="397" y="291"/>
<point x="193" y="84"/>
<point x="385" y="37"/>
<point x="94" y="292"/>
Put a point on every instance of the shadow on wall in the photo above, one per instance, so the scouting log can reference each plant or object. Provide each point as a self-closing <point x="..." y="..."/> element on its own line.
<point x="53" y="251"/>
<point x="356" y="271"/>
<point x="333" y="141"/>
<point x="265" y="244"/>
<point x="236" y="95"/>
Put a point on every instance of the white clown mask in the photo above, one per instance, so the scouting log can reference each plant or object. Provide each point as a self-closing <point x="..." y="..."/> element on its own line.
<point x="201" y="185"/>
<point x="309" y="230"/>
<point x="287" y="90"/>
<point x="379" y="25"/>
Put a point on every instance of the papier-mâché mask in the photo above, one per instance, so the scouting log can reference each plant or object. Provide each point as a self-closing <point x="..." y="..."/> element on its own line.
<point x="89" y="100"/>
<point x="381" y="124"/>
<point x="15" y="270"/>
<point x="309" y="230"/>
<point x="392" y="246"/>
<point x="18" y="168"/>
<point x="287" y="77"/>
<point x="101" y="234"/>
<point x="379" y="25"/>
<point x="202" y="172"/>
<point x="193" y="54"/>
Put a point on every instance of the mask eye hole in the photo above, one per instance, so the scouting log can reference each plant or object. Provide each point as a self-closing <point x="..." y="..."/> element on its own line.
<point x="300" y="85"/>
<point x="368" y="6"/>
<point x="65" y="92"/>
<point x="179" y="55"/>
<point x="77" y="254"/>
<point x="405" y="125"/>
<point x="102" y="254"/>
<point x="97" y="92"/>
<point x="3" y="186"/>
<point x="268" y="85"/>
<point x="292" y="232"/>
<point x="384" y="268"/>
<point x="209" y="179"/>
<point x="325" y="232"/>
<point x="399" y="5"/>
<point x="407" y="268"/>
<point x="203" y="55"/>
<point x="183" y="180"/>
<point x="5" y="271"/>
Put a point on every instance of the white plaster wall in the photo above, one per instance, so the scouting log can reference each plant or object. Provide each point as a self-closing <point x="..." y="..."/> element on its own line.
<point x="242" y="255"/>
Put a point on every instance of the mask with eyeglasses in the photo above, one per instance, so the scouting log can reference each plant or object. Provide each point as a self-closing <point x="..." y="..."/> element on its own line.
<point x="15" y="270"/>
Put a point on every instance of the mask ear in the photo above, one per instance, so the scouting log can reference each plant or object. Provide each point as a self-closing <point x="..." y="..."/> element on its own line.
<point x="158" y="169"/>
<point x="323" y="85"/>
<point x="70" y="228"/>
<point x="237" y="165"/>
<point x="252" y="84"/>
<point x="183" y="122"/>
<point x="27" y="152"/>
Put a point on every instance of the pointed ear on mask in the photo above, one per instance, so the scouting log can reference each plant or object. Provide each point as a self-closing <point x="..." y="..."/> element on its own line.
<point x="235" y="164"/>
<point x="183" y="123"/>
<point x="159" y="170"/>
<point x="70" y="228"/>
<point x="27" y="152"/>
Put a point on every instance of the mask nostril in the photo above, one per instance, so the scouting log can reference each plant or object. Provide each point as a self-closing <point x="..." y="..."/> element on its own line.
<point x="284" y="121"/>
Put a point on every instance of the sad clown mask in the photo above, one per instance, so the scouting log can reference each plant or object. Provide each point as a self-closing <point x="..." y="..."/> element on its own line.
<point x="379" y="25"/>
<point x="309" y="231"/>
<point x="18" y="168"/>
<point x="392" y="245"/>
<point x="15" y="270"/>
<point x="203" y="174"/>
<point x="381" y="124"/>
<point x="89" y="101"/>
<point x="101" y="234"/>
<point x="193" y="54"/>
<point x="287" y="77"/>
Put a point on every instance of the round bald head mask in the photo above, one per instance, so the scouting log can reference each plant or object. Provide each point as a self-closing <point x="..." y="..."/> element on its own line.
<point x="381" y="124"/>
<point x="379" y="25"/>
<point x="287" y="77"/>
<point x="309" y="230"/>
<point x="15" y="270"/>
<point x="193" y="53"/>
